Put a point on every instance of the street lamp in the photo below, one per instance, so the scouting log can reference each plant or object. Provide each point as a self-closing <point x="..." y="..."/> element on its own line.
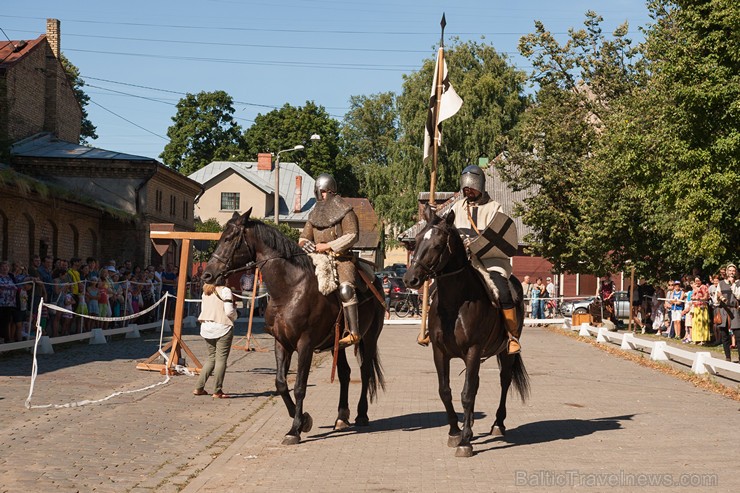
<point x="299" y="147"/>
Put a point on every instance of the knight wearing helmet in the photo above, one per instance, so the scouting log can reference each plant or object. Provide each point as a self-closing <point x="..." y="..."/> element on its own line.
<point x="491" y="247"/>
<point x="332" y="228"/>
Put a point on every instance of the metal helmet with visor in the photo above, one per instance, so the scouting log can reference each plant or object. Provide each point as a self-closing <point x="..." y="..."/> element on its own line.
<point x="473" y="177"/>
<point x="324" y="183"/>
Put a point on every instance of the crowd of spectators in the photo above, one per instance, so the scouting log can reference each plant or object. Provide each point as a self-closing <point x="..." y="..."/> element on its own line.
<point x="692" y="309"/>
<point x="111" y="289"/>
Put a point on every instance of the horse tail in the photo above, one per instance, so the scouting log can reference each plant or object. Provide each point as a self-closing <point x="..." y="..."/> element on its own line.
<point x="375" y="377"/>
<point x="519" y="376"/>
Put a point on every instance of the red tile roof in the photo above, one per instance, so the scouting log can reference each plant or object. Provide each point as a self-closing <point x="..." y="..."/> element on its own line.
<point x="12" y="51"/>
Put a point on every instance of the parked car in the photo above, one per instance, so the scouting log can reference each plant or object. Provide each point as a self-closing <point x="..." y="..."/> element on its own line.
<point x="621" y="305"/>
<point x="398" y="287"/>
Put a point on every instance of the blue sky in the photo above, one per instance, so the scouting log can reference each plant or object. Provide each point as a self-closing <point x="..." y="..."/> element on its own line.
<point x="139" y="57"/>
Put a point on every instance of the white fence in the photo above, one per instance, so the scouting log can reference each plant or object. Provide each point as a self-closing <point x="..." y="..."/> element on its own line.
<point x="701" y="362"/>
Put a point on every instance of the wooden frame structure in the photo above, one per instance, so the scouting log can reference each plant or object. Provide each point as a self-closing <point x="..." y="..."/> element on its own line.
<point x="177" y="345"/>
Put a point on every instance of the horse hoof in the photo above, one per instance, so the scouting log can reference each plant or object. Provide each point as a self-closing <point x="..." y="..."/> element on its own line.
<point x="464" y="451"/>
<point x="307" y="423"/>
<point x="340" y="425"/>
<point x="362" y="421"/>
<point x="498" y="431"/>
<point x="291" y="440"/>
<point x="454" y="440"/>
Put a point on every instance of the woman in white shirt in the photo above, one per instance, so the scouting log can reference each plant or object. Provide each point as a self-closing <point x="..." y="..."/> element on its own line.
<point x="216" y="319"/>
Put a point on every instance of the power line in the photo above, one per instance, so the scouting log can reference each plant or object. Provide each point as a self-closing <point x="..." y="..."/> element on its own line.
<point x="129" y="121"/>
<point x="338" y="66"/>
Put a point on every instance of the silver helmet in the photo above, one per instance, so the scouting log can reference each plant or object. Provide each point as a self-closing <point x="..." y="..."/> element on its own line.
<point x="473" y="177"/>
<point x="324" y="183"/>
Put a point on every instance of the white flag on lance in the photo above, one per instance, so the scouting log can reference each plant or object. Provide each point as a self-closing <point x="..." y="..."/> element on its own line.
<point x="450" y="104"/>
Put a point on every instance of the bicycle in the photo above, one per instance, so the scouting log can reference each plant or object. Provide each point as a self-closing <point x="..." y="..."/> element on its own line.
<point x="407" y="305"/>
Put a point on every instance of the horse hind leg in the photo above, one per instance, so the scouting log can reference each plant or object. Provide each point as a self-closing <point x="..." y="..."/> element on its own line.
<point x="505" y="363"/>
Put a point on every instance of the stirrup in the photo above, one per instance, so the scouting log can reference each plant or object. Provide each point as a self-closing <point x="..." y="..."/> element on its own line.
<point x="423" y="341"/>
<point x="513" y="347"/>
<point x="349" y="340"/>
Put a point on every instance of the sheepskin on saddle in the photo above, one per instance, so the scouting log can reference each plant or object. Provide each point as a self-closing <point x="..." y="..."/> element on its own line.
<point x="327" y="277"/>
<point x="491" y="288"/>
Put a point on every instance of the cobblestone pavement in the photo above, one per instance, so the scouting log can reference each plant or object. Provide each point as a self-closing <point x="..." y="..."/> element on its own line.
<point x="594" y="422"/>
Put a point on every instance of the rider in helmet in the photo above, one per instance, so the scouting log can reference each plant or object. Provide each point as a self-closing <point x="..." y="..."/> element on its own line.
<point x="333" y="226"/>
<point x="473" y="213"/>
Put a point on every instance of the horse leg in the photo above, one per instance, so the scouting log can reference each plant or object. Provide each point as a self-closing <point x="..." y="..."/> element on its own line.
<point x="282" y="360"/>
<point x="344" y="372"/>
<point x="442" y="363"/>
<point x="302" y="422"/>
<point x="369" y="348"/>
<point x="470" y="390"/>
<point x="505" y="363"/>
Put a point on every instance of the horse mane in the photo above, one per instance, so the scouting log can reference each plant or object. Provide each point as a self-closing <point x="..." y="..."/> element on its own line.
<point x="286" y="248"/>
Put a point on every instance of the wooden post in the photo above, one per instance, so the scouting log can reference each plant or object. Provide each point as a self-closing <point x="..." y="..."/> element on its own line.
<point x="248" y="337"/>
<point x="177" y="345"/>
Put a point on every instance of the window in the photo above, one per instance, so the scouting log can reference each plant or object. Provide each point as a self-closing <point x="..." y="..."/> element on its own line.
<point x="173" y="205"/>
<point x="229" y="201"/>
<point x="185" y="210"/>
<point x="158" y="201"/>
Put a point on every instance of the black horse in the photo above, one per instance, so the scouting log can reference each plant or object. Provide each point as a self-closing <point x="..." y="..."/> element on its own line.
<point x="463" y="323"/>
<point x="299" y="317"/>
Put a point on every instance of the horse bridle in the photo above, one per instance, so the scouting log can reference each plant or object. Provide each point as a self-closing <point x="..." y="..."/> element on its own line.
<point x="249" y="265"/>
<point x="435" y="272"/>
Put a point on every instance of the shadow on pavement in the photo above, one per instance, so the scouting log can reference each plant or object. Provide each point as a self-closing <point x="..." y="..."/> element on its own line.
<point x="550" y="431"/>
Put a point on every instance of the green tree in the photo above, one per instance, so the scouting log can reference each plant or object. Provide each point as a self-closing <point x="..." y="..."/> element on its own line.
<point x="204" y="130"/>
<point x="88" y="130"/>
<point x="551" y="152"/>
<point x="679" y="138"/>
<point x="205" y="248"/>
<point x="289" y="126"/>
<point x="492" y="91"/>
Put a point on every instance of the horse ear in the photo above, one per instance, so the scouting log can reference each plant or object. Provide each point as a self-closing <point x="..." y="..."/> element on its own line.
<point x="428" y="213"/>
<point x="244" y="217"/>
<point x="234" y="216"/>
<point x="450" y="219"/>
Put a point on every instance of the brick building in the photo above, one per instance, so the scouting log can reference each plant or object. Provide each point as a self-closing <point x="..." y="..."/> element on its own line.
<point x="63" y="199"/>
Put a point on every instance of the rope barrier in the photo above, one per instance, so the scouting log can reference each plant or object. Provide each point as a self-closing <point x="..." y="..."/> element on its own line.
<point x="34" y="368"/>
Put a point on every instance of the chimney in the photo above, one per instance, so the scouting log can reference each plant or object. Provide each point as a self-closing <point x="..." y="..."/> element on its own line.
<point x="297" y="202"/>
<point x="53" y="72"/>
<point x="53" y="36"/>
<point x="264" y="161"/>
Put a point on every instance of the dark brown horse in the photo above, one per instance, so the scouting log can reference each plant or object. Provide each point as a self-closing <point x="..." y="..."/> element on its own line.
<point x="299" y="317"/>
<point x="463" y="323"/>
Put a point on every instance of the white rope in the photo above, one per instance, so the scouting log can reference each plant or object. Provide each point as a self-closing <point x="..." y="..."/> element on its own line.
<point x="110" y="319"/>
<point x="249" y="297"/>
<point x="34" y="369"/>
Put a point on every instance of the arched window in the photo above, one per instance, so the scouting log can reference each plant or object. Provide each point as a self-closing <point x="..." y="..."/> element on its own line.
<point x="31" y="235"/>
<point x="48" y="239"/>
<point x="4" y="236"/>
<point x="93" y="243"/>
<point x="75" y="241"/>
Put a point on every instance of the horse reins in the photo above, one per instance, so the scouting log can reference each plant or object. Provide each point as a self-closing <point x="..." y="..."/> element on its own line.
<point x="249" y="265"/>
<point x="434" y="272"/>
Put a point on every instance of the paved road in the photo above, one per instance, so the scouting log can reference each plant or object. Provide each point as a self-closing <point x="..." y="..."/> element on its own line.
<point x="594" y="421"/>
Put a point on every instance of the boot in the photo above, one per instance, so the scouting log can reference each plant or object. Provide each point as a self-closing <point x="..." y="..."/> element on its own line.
<point x="350" y="311"/>
<point x="512" y="327"/>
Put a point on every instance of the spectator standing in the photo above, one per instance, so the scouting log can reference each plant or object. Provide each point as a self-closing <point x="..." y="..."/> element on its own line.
<point x="7" y="301"/>
<point x="700" y="333"/>
<point x="387" y="294"/>
<point x="658" y="309"/>
<point x="552" y="299"/>
<point x="217" y="328"/>
<point x="607" y="288"/>
<point x="527" y="289"/>
<point x="246" y="283"/>
<point x="714" y="307"/>
<point x="677" y="297"/>
<point x="688" y="318"/>
<point x="730" y="289"/>
<point x="537" y="303"/>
